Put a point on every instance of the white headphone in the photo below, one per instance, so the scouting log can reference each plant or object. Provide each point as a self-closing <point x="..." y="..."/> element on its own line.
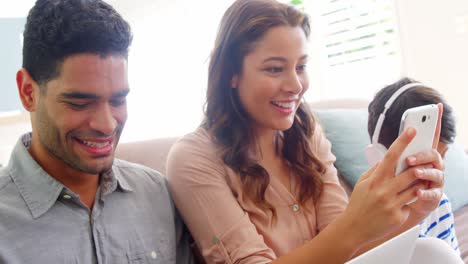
<point x="376" y="151"/>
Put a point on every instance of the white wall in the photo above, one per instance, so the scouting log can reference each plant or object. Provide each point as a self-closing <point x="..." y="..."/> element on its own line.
<point x="12" y="125"/>
<point x="434" y="37"/>
<point x="168" y="64"/>
<point x="11" y="128"/>
<point x="15" y="9"/>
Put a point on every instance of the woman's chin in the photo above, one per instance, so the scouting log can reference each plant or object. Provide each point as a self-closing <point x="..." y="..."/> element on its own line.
<point x="284" y="126"/>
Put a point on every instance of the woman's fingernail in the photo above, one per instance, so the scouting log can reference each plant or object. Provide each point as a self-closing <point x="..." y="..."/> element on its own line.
<point x="411" y="131"/>
<point x="411" y="160"/>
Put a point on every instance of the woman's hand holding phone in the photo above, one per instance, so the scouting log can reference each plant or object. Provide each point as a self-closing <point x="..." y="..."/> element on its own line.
<point x="432" y="173"/>
<point x="379" y="203"/>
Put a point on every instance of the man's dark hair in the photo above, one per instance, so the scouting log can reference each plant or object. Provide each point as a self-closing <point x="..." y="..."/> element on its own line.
<point x="57" y="29"/>
<point x="416" y="96"/>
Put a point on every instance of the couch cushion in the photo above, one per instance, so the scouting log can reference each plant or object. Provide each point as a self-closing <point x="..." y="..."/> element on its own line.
<point x="347" y="131"/>
<point x="151" y="153"/>
<point x="456" y="176"/>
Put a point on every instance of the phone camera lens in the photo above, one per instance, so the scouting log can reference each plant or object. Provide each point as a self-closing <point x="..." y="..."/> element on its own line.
<point x="424" y="118"/>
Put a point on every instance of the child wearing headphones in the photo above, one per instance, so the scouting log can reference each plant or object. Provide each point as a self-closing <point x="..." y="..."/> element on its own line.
<point x="389" y="104"/>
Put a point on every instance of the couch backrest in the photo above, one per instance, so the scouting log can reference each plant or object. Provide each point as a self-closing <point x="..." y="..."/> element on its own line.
<point x="151" y="153"/>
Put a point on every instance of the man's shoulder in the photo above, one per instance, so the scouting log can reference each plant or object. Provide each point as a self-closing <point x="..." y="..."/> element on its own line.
<point x="130" y="167"/>
<point x="137" y="174"/>
<point x="12" y="204"/>
<point x="149" y="186"/>
<point x="5" y="178"/>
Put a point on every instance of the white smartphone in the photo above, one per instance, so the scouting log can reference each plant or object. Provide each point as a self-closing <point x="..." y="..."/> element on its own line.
<point x="424" y="120"/>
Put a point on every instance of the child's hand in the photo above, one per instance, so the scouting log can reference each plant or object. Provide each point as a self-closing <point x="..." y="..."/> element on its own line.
<point x="429" y="168"/>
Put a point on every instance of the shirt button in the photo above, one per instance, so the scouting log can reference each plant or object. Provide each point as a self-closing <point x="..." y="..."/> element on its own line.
<point x="215" y="240"/>
<point x="295" y="208"/>
<point x="154" y="255"/>
<point x="66" y="196"/>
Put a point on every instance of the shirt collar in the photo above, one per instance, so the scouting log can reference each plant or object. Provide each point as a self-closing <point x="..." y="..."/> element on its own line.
<point x="40" y="190"/>
<point x="113" y="179"/>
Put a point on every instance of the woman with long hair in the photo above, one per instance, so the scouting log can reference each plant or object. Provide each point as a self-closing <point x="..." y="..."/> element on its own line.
<point x="255" y="183"/>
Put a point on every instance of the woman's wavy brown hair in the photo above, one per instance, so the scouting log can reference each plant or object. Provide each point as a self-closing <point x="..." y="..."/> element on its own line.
<point x="243" y="24"/>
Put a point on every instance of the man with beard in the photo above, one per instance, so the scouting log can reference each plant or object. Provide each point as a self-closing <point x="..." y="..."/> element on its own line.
<point x="63" y="197"/>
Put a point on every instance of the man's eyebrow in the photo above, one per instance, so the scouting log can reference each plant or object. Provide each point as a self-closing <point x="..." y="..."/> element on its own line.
<point x="78" y="95"/>
<point x="81" y="95"/>
<point x="122" y="93"/>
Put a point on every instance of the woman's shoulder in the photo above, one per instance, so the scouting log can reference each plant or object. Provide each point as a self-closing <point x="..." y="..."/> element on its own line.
<point x="195" y="159"/>
<point x="196" y="146"/>
<point x="198" y="140"/>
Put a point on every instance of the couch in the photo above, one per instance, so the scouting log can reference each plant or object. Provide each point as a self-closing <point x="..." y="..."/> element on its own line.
<point x="340" y="119"/>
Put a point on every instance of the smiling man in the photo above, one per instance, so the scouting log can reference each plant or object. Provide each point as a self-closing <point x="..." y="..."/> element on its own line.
<point x="63" y="197"/>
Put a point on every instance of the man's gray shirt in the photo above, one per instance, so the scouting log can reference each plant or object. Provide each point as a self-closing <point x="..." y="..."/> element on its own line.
<point x="133" y="219"/>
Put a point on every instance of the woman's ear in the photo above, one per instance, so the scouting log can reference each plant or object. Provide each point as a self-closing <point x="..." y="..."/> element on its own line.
<point x="27" y="89"/>
<point x="234" y="81"/>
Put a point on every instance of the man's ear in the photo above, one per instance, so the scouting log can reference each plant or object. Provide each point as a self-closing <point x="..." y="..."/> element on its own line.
<point x="235" y="81"/>
<point x="28" y="89"/>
